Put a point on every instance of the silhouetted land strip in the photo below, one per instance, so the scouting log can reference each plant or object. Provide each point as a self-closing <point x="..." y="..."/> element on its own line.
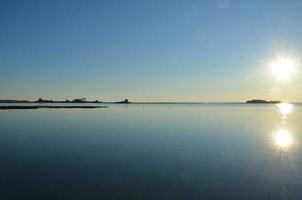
<point x="125" y="101"/>
<point x="57" y="107"/>
<point x="15" y="101"/>
<point x="82" y="101"/>
<point x="262" y="101"/>
<point x="40" y="100"/>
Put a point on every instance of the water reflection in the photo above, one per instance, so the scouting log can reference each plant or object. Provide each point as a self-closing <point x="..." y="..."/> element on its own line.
<point x="285" y="108"/>
<point x="155" y="153"/>
<point x="283" y="138"/>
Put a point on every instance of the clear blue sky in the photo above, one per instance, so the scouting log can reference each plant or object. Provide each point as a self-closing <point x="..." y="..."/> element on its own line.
<point x="157" y="50"/>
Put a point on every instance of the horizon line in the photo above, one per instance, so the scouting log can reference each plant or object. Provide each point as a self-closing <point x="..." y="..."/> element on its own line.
<point x="136" y="102"/>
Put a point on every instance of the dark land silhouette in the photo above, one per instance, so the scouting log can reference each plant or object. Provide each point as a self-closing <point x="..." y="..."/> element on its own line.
<point x="15" y="101"/>
<point x="79" y="100"/>
<point x="262" y="101"/>
<point x="126" y="101"/>
<point x="37" y="107"/>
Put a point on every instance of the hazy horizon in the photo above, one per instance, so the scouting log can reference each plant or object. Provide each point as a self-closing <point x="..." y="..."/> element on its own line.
<point x="193" y="51"/>
<point x="151" y="102"/>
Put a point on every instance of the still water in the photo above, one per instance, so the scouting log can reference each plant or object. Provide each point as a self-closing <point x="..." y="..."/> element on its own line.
<point x="178" y="151"/>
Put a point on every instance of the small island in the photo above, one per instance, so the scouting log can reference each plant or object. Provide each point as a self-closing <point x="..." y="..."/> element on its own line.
<point x="125" y="101"/>
<point x="260" y="101"/>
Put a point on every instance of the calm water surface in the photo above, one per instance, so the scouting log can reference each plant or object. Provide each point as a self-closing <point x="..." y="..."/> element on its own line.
<point x="209" y="151"/>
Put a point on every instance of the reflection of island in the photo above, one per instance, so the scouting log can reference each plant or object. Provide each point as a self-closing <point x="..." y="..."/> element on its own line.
<point x="37" y="107"/>
<point x="262" y="101"/>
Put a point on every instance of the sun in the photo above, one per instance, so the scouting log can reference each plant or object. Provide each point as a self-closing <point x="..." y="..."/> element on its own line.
<point x="283" y="68"/>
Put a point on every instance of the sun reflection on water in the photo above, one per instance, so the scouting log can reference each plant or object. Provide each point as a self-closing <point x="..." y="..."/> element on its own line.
<point x="283" y="138"/>
<point x="285" y="108"/>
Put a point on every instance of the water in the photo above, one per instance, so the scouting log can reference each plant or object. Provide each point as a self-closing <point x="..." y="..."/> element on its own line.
<point x="178" y="151"/>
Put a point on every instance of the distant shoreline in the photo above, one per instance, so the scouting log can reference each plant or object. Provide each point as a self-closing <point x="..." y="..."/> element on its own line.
<point x="260" y="101"/>
<point x="57" y="107"/>
<point x="255" y="101"/>
<point x="111" y="102"/>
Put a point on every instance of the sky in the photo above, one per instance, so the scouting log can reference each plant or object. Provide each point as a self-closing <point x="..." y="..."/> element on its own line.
<point x="157" y="50"/>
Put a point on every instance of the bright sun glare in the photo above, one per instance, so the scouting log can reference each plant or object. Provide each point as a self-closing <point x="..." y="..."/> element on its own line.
<point x="285" y="108"/>
<point x="283" y="138"/>
<point x="283" y="68"/>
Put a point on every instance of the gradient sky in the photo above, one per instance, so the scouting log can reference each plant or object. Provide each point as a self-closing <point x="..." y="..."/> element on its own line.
<point x="157" y="50"/>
